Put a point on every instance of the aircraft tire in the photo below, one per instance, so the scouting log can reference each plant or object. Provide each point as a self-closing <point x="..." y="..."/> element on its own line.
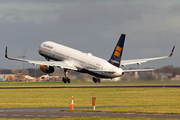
<point x="98" y="80"/>
<point x="68" y="80"/>
<point x="94" y="80"/>
<point x="64" y="80"/>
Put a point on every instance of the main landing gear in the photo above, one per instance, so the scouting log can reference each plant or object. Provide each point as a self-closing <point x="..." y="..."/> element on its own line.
<point x="96" y="80"/>
<point x="66" y="79"/>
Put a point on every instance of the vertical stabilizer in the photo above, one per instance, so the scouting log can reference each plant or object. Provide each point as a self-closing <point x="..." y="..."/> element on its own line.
<point x="117" y="54"/>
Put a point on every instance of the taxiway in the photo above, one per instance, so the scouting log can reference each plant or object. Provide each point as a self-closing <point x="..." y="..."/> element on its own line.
<point x="57" y="112"/>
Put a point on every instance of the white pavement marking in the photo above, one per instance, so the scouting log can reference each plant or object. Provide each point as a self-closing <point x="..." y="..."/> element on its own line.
<point x="28" y="115"/>
<point x="15" y="115"/>
<point x="41" y="115"/>
<point x="67" y="116"/>
<point x="54" y="116"/>
<point x="3" y="114"/>
<point x="130" y="113"/>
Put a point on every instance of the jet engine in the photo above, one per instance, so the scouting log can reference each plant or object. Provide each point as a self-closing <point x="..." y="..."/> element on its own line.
<point x="46" y="69"/>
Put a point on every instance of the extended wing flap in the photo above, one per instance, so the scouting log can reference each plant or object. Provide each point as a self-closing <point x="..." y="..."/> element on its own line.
<point x="108" y="71"/>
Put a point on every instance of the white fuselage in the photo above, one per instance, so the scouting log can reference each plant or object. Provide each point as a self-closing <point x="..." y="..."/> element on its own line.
<point x="84" y="62"/>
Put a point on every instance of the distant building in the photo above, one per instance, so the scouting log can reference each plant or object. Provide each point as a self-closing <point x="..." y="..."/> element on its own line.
<point x="175" y="77"/>
<point x="7" y="77"/>
<point x="49" y="78"/>
<point x="29" y="78"/>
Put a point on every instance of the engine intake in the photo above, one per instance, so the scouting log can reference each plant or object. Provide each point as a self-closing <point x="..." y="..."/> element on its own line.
<point x="46" y="69"/>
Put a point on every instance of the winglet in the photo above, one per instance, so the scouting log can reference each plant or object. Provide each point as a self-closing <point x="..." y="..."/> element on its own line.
<point x="10" y="58"/>
<point x="6" y="53"/>
<point x="172" y="52"/>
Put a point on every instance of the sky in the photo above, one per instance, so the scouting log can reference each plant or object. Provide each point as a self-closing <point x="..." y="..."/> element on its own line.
<point x="152" y="28"/>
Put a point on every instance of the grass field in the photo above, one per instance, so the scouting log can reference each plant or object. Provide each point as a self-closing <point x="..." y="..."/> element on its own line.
<point x="91" y="118"/>
<point x="88" y="83"/>
<point x="133" y="100"/>
<point x="141" y="100"/>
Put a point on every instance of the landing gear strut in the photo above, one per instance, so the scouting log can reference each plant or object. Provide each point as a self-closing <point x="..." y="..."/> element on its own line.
<point x="66" y="79"/>
<point x="95" y="80"/>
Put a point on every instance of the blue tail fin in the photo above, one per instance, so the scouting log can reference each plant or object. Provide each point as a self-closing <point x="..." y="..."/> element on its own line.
<point x="117" y="54"/>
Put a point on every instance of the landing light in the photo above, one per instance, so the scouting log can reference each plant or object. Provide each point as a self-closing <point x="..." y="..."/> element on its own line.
<point x="89" y="54"/>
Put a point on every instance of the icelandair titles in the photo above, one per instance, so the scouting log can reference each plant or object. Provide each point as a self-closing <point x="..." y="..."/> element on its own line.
<point x="47" y="46"/>
<point x="114" y="61"/>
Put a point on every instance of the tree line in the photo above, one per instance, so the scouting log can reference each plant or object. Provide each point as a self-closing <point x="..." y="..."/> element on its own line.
<point x="34" y="72"/>
<point x="29" y="71"/>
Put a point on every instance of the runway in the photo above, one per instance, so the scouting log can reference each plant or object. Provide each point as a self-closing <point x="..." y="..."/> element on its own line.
<point x="56" y="113"/>
<point x="133" y="86"/>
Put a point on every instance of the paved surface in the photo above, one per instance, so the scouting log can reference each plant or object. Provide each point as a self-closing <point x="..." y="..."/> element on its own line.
<point x="55" y="113"/>
<point x="134" y="86"/>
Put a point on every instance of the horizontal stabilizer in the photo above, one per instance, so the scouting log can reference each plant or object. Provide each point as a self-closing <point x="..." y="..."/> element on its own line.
<point x="138" y="70"/>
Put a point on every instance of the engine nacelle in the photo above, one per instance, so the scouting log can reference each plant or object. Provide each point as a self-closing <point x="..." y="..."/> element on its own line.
<point x="46" y="69"/>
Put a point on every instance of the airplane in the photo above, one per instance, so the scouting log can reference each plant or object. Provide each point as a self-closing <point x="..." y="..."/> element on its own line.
<point x="71" y="59"/>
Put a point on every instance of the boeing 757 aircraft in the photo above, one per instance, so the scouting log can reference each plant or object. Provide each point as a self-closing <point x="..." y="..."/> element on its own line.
<point x="70" y="59"/>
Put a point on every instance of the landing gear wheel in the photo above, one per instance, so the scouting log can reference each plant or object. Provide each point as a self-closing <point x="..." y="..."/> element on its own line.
<point x="95" y="80"/>
<point x="98" y="80"/>
<point x="66" y="80"/>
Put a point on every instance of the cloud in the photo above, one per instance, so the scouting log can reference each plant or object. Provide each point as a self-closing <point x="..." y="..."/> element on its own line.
<point x="152" y="27"/>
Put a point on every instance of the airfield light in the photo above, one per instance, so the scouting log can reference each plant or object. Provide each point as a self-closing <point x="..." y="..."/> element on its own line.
<point x="94" y="102"/>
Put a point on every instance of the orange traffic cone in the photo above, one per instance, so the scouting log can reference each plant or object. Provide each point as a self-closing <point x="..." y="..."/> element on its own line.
<point x="72" y="104"/>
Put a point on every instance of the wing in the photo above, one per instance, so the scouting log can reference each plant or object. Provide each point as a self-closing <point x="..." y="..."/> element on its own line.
<point x="61" y="64"/>
<point x="139" y="61"/>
